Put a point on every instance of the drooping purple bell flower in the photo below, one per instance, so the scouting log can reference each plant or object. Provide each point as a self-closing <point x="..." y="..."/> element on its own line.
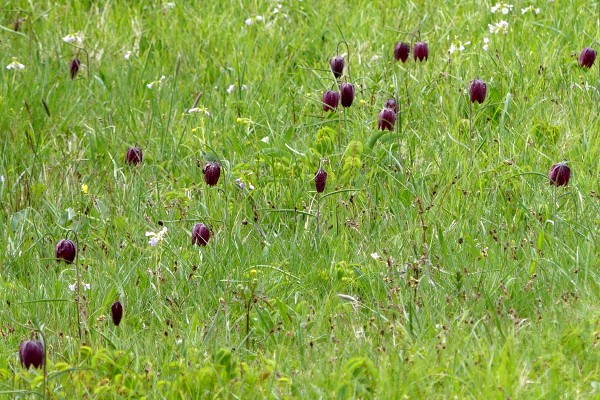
<point x="74" y="67"/>
<point x="134" y="156"/>
<point x="320" y="180"/>
<point x="200" y="235"/>
<point x="401" y="51"/>
<point x="559" y="174"/>
<point x="421" y="51"/>
<point x="347" y="94"/>
<point x="337" y="66"/>
<point x="212" y="172"/>
<point x="65" y="250"/>
<point x="331" y="100"/>
<point x="387" y="119"/>
<point x="477" y="91"/>
<point x="116" y="312"/>
<point x="31" y="353"/>
<point x="587" y="57"/>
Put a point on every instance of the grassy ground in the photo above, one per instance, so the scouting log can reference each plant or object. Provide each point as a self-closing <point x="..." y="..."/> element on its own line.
<point x="438" y="263"/>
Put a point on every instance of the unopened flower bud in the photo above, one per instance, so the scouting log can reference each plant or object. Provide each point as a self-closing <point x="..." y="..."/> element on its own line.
<point x="477" y="91"/>
<point x="200" y="235"/>
<point x="331" y="100"/>
<point x="117" y="313"/>
<point x="65" y="250"/>
<point x="559" y="174"/>
<point x="337" y="66"/>
<point x="347" y="94"/>
<point x="75" y="64"/>
<point x="320" y="180"/>
<point x="212" y="172"/>
<point x="401" y="51"/>
<point x="31" y="352"/>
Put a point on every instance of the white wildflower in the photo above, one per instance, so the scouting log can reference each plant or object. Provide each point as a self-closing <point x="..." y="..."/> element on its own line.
<point x="127" y="55"/>
<point x="155" y="83"/>
<point x="156" y="237"/>
<point x="230" y="89"/>
<point x="75" y="38"/>
<point x="375" y="256"/>
<point x="500" y="27"/>
<point x="486" y="44"/>
<point x="530" y="8"/>
<point x="169" y="6"/>
<point x="504" y="8"/>
<point x="15" y="65"/>
<point x="248" y="21"/>
<point x="1" y="178"/>
<point x="199" y="110"/>
<point x="457" y="46"/>
<point x="86" y="286"/>
<point x="259" y="18"/>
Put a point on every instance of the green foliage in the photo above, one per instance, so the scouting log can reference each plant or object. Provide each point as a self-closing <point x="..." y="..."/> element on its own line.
<point x="439" y="262"/>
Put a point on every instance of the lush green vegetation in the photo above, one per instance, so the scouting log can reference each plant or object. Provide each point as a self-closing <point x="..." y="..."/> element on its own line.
<point x="438" y="263"/>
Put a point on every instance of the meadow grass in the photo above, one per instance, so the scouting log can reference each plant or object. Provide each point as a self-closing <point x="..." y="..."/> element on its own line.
<point x="442" y="264"/>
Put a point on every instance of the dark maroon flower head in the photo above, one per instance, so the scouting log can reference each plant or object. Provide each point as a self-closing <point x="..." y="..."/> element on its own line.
<point x="331" y="100"/>
<point x="212" y="172"/>
<point x="75" y="64"/>
<point x="392" y="104"/>
<point x="134" y="156"/>
<point x="31" y="352"/>
<point x="559" y="174"/>
<point x="421" y="51"/>
<point x="337" y="66"/>
<point x="65" y="250"/>
<point x="477" y="91"/>
<point x="401" y="51"/>
<point x="347" y="94"/>
<point x="387" y="119"/>
<point x="320" y="180"/>
<point x="587" y="57"/>
<point x="117" y="313"/>
<point x="200" y="235"/>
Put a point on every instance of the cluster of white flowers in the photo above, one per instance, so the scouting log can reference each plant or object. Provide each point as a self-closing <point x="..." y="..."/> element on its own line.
<point x="530" y="8"/>
<point x="86" y="286"/>
<point x="15" y="65"/>
<point x="199" y="110"/>
<point x="251" y="20"/>
<point x="504" y="8"/>
<point x="231" y="88"/>
<point x="457" y="45"/>
<point x="158" y="82"/>
<point x="156" y="237"/>
<point x="75" y="38"/>
<point x="499" y="27"/>
<point x="486" y="44"/>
